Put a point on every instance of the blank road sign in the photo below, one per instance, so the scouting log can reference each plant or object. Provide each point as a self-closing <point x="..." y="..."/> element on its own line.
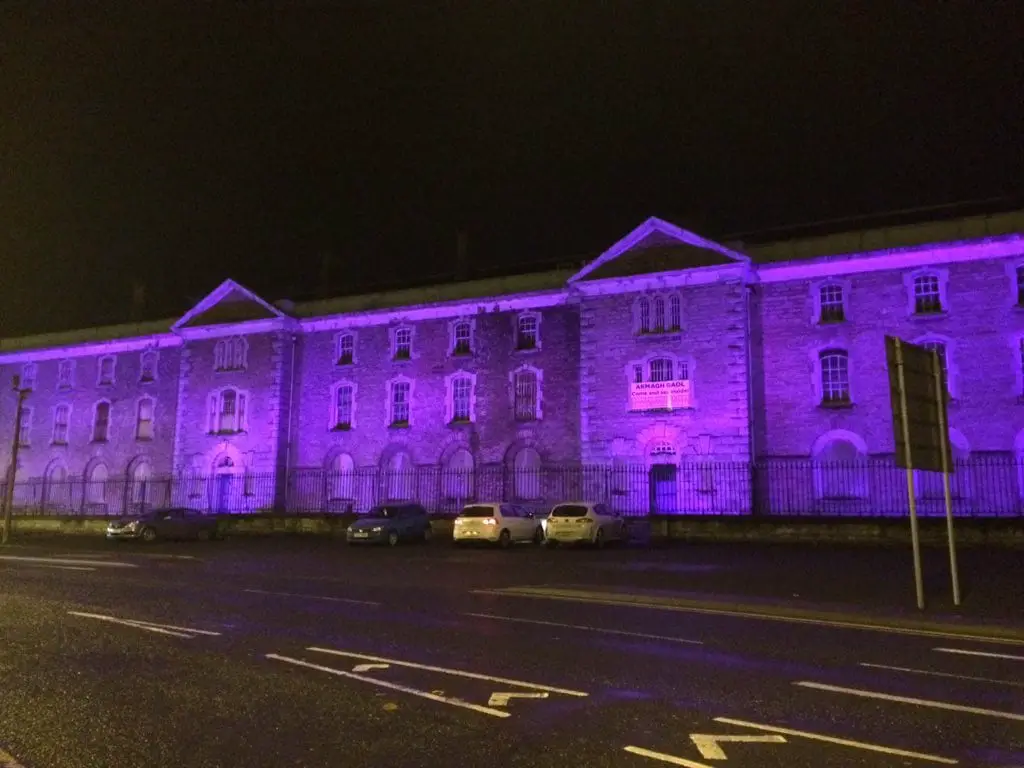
<point x="926" y="402"/>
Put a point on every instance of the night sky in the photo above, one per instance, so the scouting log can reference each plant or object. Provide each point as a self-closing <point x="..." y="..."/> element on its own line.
<point x="178" y="144"/>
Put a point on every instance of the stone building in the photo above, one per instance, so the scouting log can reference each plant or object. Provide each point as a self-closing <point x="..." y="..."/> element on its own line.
<point x="671" y="373"/>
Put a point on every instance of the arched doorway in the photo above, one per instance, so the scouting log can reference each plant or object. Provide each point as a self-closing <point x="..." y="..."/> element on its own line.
<point x="224" y="472"/>
<point x="55" y="486"/>
<point x="96" y="477"/>
<point x="664" y="477"/>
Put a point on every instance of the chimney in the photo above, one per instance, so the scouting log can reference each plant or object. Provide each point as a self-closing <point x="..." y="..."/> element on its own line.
<point x="461" y="256"/>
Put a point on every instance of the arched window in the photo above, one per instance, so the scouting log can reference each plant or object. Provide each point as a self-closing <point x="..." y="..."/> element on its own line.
<point x="144" y="419"/>
<point x="230" y="354"/>
<point x="526" y="394"/>
<point x="644" y="310"/>
<point x="402" y="342"/>
<point x="147" y="366"/>
<point x="835" y="377"/>
<point x="65" y="374"/>
<point x="107" y="368"/>
<point x="675" y="313"/>
<point x="141" y="477"/>
<point x="661" y="369"/>
<point x="526" y="468"/>
<point x="840" y="466"/>
<point x="341" y="480"/>
<point x="461" y="398"/>
<point x="527" y="332"/>
<point x="61" y="419"/>
<point x="344" y="406"/>
<point x="400" y="478"/>
<point x="96" y="484"/>
<point x="458" y="477"/>
<point x="462" y="338"/>
<point x="659" y="315"/>
<point x="345" y="349"/>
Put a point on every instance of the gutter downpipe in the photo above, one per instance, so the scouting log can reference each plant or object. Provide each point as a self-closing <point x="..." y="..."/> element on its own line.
<point x="748" y="291"/>
<point x="291" y="419"/>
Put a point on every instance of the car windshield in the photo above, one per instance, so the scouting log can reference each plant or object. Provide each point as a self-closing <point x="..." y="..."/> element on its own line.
<point x="569" y="510"/>
<point x="478" y="512"/>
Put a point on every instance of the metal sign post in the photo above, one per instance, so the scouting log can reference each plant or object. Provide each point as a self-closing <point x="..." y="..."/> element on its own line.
<point x="12" y="472"/>
<point x="918" y="395"/>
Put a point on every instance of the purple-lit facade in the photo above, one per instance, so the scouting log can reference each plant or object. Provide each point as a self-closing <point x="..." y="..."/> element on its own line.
<point x="772" y="352"/>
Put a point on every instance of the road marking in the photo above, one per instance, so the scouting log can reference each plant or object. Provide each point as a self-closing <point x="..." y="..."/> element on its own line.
<point x="585" y="628"/>
<point x="502" y="699"/>
<point x="916" y="702"/>
<point x="943" y="674"/>
<point x="446" y="671"/>
<point x="311" y="597"/>
<point x="980" y="653"/>
<point x="665" y="758"/>
<point x="393" y="687"/>
<point x="636" y="601"/>
<point x="708" y="743"/>
<point x="369" y="667"/>
<point x="7" y="760"/>
<point x="840" y="742"/>
<point x="163" y="629"/>
<point x="66" y="561"/>
<point x="66" y="567"/>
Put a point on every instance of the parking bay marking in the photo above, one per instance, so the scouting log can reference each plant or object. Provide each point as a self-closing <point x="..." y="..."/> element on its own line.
<point x="187" y="633"/>
<point x="393" y="686"/>
<point x="979" y="653"/>
<point x="602" y="630"/>
<point x="943" y="674"/>
<point x="909" y="700"/>
<point x="447" y="671"/>
<point x="311" y="597"/>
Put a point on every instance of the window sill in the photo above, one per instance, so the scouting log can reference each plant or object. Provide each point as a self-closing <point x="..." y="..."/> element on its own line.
<point x="461" y="353"/>
<point x="105" y="384"/>
<point x="527" y="350"/>
<point x="456" y="423"/>
<point x="96" y="441"/>
<point x="836" y="405"/>
<point x="669" y="334"/>
<point x="831" y="322"/>
<point x="938" y="314"/>
<point x="657" y="411"/>
<point x="399" y="425"/>
<point x="57" y="444"/>
<point x="229" y="370"/>
<point x="226" y="432"/>
<point x="526" y="419"/>
<point x="344" y="362"/>
<point x="341" y="428"/>
<point x="401" y="358"/>
<point x="143" y="439"/>
<point x="148" y="380"/>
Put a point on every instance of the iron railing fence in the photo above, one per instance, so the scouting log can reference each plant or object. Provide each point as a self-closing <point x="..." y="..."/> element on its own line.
<point x="984" y="485"/>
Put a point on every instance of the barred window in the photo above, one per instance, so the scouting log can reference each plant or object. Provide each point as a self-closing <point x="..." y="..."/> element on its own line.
<point x="927" y="294"/>
<point x="525" y="383"/>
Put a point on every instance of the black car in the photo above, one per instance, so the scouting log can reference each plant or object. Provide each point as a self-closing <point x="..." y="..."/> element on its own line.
<point x="172" y="523"/>
<point x="390" y="524"/>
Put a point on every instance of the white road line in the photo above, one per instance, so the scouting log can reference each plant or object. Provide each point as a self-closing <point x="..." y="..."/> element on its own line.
<point x="909" y="700"/>
<point x="840" y="742"/>
<point x="446" y="671"/>
<point x="665" y="758"/>
<point x="311" y="597"/>
<point x="393" y="686"/>
<point x="835" y="623"/>
<point x="66" y="561"/>
<point x="585" y="628"/>
<point x="943" y="674"/>
<point x="980" y="653"/>
<point x="7" y="760"/>
<point x="63" y="567"/>
<point x="163" y="629"/>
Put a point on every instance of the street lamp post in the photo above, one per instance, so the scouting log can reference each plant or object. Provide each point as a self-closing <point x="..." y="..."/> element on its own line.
<point x="12" y="471"/>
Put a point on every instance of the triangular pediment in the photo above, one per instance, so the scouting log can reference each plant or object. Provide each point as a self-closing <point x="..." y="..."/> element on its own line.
<point x="657" y="246"/>
<point x="229" y="303"/>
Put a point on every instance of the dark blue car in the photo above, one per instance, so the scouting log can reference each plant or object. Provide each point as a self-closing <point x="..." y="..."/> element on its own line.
<point x="391" y="524"/>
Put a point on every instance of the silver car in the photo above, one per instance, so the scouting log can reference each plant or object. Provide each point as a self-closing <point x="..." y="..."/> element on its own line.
<point x="582" y="522"/>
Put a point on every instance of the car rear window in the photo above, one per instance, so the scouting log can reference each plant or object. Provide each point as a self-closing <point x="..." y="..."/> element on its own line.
<point x="569" y="510"/>
<point x="478" y="511"/>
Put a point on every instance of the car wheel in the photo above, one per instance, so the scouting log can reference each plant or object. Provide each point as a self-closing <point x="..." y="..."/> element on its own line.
<point x="504" y="539"/>
<point x="538" y="536"/>
<point x="428" y="533"/>
<point x="148" y="535"/>
<point x="393" y="539"/>
<point x="203" y="535"/>
<point x="599" y="538"/>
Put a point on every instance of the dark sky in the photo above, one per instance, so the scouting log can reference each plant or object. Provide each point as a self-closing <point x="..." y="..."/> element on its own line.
<point x="183" y="143"/>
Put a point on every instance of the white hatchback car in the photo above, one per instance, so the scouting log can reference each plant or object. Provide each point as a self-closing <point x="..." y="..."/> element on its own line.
<point x="582" y="522"/>
<point x="497" y="523"/>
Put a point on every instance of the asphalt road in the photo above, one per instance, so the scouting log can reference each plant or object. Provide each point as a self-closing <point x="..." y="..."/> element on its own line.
<point x="307" y="653"/>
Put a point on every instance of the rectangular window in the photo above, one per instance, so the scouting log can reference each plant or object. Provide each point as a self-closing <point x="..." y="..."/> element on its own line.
<point x="144" y="420"/>
<point x="661" y="370"/>
<point x="228" y="406"/>
<point x="675" y="321"/>
<point x="343" y="407"/>
<point x="101" y="423"/>
<point x="24" y="435"/>
<point x="61" y="416"/>
<point x="525" y="396"/>
<point x="638" y="374"/>
<point x="65" y="373"/>
<point x="1020" y="286"/>
<point x="526" y="332"/>
<point x="832" y="310"/>
<point x="400" y="403"/>
<point x="346" y="349"/>
<point x="106" y="373"/>
<point x="147" y="367"/>
<point x="645" y="315"/>
<point x="462" y="395"/>
<point x="28" y="376"/>
<point x="403" y="344"/>
<point x="835" y="377"/>
<point x="462" y="341"/>
<point x="927" y="295"/>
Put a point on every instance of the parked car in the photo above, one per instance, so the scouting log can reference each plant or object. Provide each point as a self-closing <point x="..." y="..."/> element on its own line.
<point x="584" y="522"/>
<point x="391" y="524"/>
<point x="172" y="523"/>
<point x="497" y="523"/>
